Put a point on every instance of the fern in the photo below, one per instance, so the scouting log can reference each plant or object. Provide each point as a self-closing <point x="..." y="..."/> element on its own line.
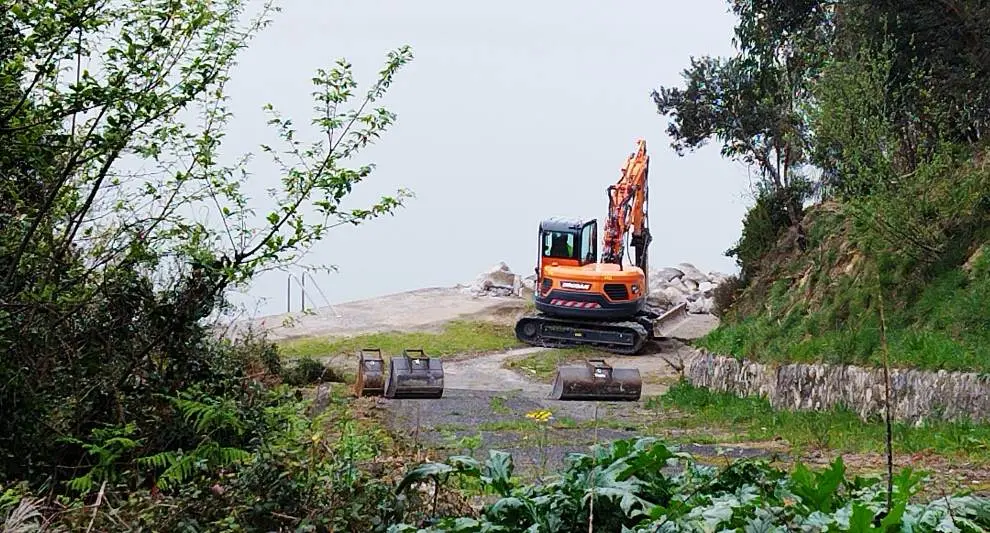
<point x="24" y="518"/>
<point x="207" y="415"/>
<point x="179" y="467"/>
<point x="211" y="415"/>
<point x="108" y="446"/>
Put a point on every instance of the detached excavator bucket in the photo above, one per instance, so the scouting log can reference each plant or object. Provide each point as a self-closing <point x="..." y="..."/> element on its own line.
<point x="596" y="380"/>
<point x="414" y="375"/>
<point x="371" y="373"/>
<point x="667" y="323"/>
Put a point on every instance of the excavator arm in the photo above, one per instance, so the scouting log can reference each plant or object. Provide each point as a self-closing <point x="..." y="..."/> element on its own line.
<point x="627" y="211"/>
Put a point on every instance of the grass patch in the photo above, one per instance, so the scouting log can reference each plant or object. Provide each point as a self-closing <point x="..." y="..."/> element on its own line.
<point x="458" y="337"/>
<point x="944" y="326"/>
<point x="497" y="405"/>
<point x="543" y="365"/>
<point x="926" y="242"/>
<point x="841" y="430"/>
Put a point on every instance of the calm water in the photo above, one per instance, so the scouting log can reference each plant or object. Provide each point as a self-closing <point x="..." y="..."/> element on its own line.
<point x="510" y="112"/>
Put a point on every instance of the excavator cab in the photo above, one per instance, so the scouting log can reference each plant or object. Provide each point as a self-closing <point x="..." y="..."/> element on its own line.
<point x="567" y="242"/>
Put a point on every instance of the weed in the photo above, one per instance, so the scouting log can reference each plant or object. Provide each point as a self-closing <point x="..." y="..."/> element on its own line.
<point x="497" y="405"/>
<point x="543" y="418"/>
<point x="626" y="485"/>
<point x="839" y="429"/>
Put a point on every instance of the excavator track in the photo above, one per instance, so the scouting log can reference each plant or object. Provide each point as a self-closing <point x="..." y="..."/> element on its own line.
<point x="625" y="337"/>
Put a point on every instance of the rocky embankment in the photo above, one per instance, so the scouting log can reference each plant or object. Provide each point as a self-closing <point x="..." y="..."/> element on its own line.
<point x="669" y="286"/>
<point x="916" y="395"/>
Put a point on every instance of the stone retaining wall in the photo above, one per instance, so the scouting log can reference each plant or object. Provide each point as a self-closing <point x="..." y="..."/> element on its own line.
<point x="915" y="395"/>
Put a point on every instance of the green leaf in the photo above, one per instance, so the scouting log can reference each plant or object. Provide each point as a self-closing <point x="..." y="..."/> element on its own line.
<point x="421" y="473"/>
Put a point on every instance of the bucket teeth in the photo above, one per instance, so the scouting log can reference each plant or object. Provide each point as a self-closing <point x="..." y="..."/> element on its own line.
<point x="414" y="375"/>
<point x="370" y="379"/>
<point x="596" y="380"/>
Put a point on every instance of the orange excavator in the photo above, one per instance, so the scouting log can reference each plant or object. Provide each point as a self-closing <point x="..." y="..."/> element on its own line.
<point x="582" y="301"/>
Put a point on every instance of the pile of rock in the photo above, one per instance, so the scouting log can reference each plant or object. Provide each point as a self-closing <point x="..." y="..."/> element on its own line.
<point x="499" y="281"/>
<point x="684" y="283"/>
<point x="669" y="286"/>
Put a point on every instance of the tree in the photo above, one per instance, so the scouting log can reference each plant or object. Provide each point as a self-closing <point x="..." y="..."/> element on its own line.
<point x="753" y="103"/>
<point x="107" y="274"/>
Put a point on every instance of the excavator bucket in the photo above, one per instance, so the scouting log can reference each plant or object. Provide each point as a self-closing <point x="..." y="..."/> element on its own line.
<point x="414" y="375"/>
<point x="666" y="324"/>
<point x="371" y="373"/>
<point x="596" y="380"/>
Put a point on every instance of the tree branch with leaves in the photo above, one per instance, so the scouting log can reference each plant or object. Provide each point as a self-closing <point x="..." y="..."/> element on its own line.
<point x="123" y="222"/>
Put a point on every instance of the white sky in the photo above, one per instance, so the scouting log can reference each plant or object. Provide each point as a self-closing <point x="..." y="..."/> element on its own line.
<point x="510" y="112"/>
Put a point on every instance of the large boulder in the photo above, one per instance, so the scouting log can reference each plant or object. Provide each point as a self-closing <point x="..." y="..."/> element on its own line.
<point x="692" y="273"/>
<point x="707" y="287"/>
<point x="700" y="306"/>
<point x="658" y="299"/>
<point x="497" y="281"/>
<point x="674" y="296"/>
<point x="666" y="274"/>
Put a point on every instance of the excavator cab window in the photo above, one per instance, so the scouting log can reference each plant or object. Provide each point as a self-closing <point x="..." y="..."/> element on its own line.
<point x="559" y="244"/>
<point x="589" y="243"/>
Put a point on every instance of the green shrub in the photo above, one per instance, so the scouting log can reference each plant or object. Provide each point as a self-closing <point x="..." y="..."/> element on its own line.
<point x="257" y="462"/>
<point x="725" y="295"/>
<point x="307" y="371"/>
<point x="633" y="492"/>
<point x="762" y="227"/>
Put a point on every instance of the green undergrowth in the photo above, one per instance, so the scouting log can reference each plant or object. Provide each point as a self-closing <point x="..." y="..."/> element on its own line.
<point x="926" y="244"/>
<point x="282" y="459"/>
<point x="457" y="337"/>
<point x="753" y="419"/>
<point x="625" y="486"/>
<point x="946" y="327"/>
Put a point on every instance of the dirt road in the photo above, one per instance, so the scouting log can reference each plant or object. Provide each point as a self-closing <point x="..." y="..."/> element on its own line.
<point x="419" y="310"/>
<point x="484" y="406"/>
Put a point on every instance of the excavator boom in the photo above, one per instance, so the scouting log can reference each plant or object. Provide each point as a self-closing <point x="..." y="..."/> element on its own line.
<point x="627" y="205"/>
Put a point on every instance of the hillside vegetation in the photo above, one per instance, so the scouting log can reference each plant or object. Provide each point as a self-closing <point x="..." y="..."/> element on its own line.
<point x="864" y="122"/>
<point x="123" y="226"/>
<point x="125" y="222"/>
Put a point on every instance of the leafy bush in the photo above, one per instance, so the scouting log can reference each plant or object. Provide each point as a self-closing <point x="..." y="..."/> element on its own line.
<point x="255" y="463"/>
<point x="725" y="294"/>
<point x="625" y="485"/>
<point x="307" y="371"/>
<point x="762" y="227"/>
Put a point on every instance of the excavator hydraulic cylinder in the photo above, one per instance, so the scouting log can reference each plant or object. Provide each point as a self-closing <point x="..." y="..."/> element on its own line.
<point x="414" y="375"/>
<point x="596" y="380"/>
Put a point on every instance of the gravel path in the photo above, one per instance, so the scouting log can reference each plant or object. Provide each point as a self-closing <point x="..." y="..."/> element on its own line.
<point x="484" y="399"/>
